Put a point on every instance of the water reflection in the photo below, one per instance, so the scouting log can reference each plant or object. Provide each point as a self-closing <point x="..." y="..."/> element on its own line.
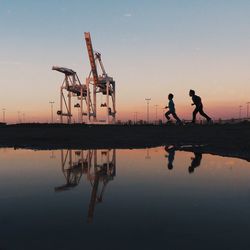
<point x="129" y="194"/>
<point x="171" y="154"/>
<point x="99" y="166"/>
<point x="195" y="161"/>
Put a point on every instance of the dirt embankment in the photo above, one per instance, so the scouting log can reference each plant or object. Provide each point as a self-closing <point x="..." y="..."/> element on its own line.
<point x="227" y="139"/>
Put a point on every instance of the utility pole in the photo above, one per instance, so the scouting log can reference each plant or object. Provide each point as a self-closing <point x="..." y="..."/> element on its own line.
<point x="148" y="100"/>
<point x="19" y="117"/>
<point x="163" y="114"/>
<point x="240" y="107"/>
<point x="156" y="107"/>
<point x="51" y="107"/>
<point x="147" y="157"/>
<point x="248" y="109"/>
<point x="135" y="117"/>
<point x="4" y="114"/>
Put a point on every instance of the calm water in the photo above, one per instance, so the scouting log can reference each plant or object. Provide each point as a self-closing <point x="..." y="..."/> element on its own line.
<point x="123" y="199"/>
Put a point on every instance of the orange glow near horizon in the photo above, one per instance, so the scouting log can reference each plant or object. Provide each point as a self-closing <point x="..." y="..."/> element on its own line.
<point x="148" y="58"/>
<point x="184" y="112"/>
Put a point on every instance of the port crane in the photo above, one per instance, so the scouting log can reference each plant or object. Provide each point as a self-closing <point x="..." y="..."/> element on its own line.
<point x="99" y="85"/>
<point x="87" y="93"/>
<point x="71" y="87"/>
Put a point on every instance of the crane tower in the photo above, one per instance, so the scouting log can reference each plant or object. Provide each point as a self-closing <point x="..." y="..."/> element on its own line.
<point x="103" y="85"/>
<point x="86" y="94"/>
<point x="73" y="87"/>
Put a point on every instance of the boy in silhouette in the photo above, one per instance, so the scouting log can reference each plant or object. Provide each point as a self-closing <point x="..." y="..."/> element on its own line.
<point x="198" y="106"/>
<point x="171" y="109"/>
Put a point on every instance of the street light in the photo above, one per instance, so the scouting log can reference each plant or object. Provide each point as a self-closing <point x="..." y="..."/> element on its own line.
<point x="19" y="117"/>
<point x="248" y="109"/>
<point x="4" y="114"/>
<point x="156" y="107"/>
<point x="163" y="114"/>
<point x="147" y="157"/>
<point x="51" y="107"/>
<point x="147" y="100"/>
<point x="240" y="107"/>
<point x="135" y="117"/>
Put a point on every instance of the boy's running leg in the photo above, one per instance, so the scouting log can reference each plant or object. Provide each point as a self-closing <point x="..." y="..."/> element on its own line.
<point x="167" y="115"/>
<point x="204" y="114"/>
<point x="194" y="114"/>
<point x="177" y="118"/>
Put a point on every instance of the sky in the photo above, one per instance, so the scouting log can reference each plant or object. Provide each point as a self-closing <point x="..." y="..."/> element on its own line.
<point x="150" y="47"/>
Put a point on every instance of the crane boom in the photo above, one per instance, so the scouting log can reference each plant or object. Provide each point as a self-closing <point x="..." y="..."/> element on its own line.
<point x="91" y="57"/>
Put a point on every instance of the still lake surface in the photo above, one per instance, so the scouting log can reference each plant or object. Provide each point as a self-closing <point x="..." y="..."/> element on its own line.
<point x="154" y="198"/>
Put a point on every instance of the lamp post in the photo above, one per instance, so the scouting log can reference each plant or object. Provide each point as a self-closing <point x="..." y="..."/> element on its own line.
<point x="18" y="117"/>
<point x="136" y="117"/>
<point x="163" y="114"/>
<point x="51" y="108"/>
<point x="156" y="107"/>
<point x="248" y="109"/>
<point x="147" y="100"/>
<point x="4" y="114"/>
<point x="147" y="157"/>
<point x="240" y="107"/>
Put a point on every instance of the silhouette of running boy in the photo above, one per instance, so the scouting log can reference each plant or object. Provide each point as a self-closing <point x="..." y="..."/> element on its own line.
<point x="198" y="106"/>
<point x="171" y="109"/>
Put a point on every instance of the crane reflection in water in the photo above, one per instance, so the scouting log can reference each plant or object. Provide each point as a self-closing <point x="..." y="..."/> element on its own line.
<point x="99" y="167"/>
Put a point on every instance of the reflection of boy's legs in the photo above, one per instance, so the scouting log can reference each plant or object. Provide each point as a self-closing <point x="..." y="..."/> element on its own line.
<point x="170" y="166"/>
<point x="171" y="154"/>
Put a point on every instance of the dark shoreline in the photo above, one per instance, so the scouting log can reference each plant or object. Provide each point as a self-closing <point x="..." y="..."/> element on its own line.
<point x="227" y="140"/>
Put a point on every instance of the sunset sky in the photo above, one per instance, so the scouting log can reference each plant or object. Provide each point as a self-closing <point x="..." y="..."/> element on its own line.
<point x="150" y="47"/>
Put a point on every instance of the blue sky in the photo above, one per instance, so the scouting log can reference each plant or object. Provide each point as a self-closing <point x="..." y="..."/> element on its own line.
<point x="150" y="47"/>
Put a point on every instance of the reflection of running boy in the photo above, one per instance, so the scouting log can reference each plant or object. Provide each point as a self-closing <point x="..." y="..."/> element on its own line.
<point x="171" y="153"/>
<point x="196" y="161"/>
<point x="171" y="110"/>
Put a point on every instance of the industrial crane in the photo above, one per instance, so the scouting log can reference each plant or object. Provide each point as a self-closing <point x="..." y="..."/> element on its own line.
<point x="102" y="84"/>
<point x="73" y="87"/>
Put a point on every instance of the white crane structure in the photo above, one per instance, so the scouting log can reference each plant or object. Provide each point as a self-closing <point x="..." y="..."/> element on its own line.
<point x="102" y="84"/>
<point x="73" y="88"/>
<point x="87" y="94"/>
